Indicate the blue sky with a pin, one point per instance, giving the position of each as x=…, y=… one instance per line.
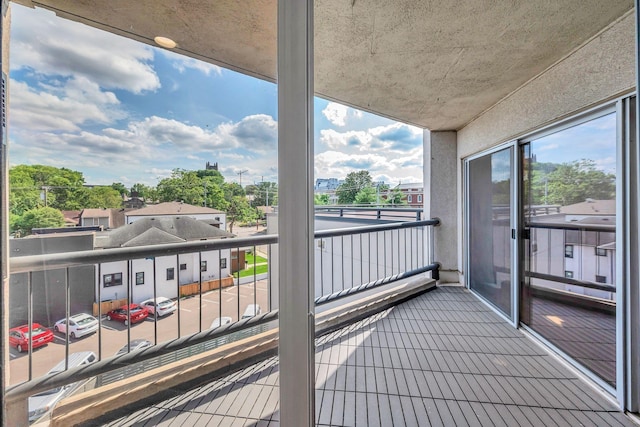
x=121, y=111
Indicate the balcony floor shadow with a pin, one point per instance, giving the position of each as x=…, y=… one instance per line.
x=443, y=358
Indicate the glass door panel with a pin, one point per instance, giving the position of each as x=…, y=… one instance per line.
x=490, y=212
x=568, y=293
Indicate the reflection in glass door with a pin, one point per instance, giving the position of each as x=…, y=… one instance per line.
x=568, y=293
x=489, y=222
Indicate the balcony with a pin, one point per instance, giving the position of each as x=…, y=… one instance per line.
x=387, y=353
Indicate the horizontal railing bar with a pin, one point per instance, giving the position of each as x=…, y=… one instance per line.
x=338, y=208
x=325, y=299
x=374, y=228
x=574, y=226
x=47, y=382
x=67, y=259
x=568, y=281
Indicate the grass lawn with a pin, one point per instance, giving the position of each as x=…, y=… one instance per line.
x=249, y=258
x=250, y=271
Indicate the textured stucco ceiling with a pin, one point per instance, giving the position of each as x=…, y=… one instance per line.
x=437, y=64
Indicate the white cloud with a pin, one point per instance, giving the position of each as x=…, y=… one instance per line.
x=338, y=113
x=53, y=46
x=67, y=106
x=396, y=137
x=182, y=63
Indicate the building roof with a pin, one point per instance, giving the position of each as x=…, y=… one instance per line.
x=172, y=208
x=436, y=64
x=409, y=186
x=160, y=230
x=71, y=217
x=95, y=213
x=591, y=207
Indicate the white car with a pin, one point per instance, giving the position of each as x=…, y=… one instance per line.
x=164, y=305
x=42, y=403
x=251, y=310
x=219, y=321
x=79, y=325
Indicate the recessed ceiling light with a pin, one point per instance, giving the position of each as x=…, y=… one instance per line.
x=165, y=42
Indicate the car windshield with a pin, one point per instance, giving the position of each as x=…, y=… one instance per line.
x=85, y=321
x=165, y=303
x=135, y=310
x=35, y=332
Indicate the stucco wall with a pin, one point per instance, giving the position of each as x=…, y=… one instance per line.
x=601, y=69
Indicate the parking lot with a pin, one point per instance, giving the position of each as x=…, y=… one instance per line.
x=195, y=313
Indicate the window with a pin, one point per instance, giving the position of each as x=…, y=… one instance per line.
x=419, y=198
x=114, y=279
x=409, y=198
x=601, y=252
x=140, y=278
x=203, y=265
x=183, y=266
x=568, y=274
x=601, y=279
x=568, y=251
x=170, y=273
x=223, y=263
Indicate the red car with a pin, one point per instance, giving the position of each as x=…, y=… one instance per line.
x=136, y=313
x=19, y=337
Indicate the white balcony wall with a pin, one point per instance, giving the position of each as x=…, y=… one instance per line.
x=164, y=287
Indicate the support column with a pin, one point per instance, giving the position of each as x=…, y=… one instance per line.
x=295, y=212
x=440, y=198
x=4, y=214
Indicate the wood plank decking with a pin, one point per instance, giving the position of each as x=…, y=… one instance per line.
x=441, y=359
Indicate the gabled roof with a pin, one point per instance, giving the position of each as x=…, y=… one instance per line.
x=172, y=208
x=152, y=236
x=160, y=230
x=95, y=213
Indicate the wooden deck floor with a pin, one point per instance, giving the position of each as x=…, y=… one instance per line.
x=441, y=359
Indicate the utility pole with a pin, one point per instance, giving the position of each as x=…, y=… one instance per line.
x=240, y=173
x=205, y=193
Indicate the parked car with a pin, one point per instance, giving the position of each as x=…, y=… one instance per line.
x=41, y=403
x=135, y=313
x=19, y=337
x=79, y=325
x=219, y=321
x=134, y=345
x=164, y=305
x=251, y=310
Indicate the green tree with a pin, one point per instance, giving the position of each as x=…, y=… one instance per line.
x=102, y=197
x=396, y=198
x=239, y=210
x=233, y=189
x=320, y=199
x=24, y=194
x=265, y=194
x=573, y=182
x=366, y=196
x=150, y=194
x=62, y=188
x=120, y=188
x=183, y=185
x=353, y=183
x=45, y=217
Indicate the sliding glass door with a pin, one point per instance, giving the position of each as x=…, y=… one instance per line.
x=568, y=293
